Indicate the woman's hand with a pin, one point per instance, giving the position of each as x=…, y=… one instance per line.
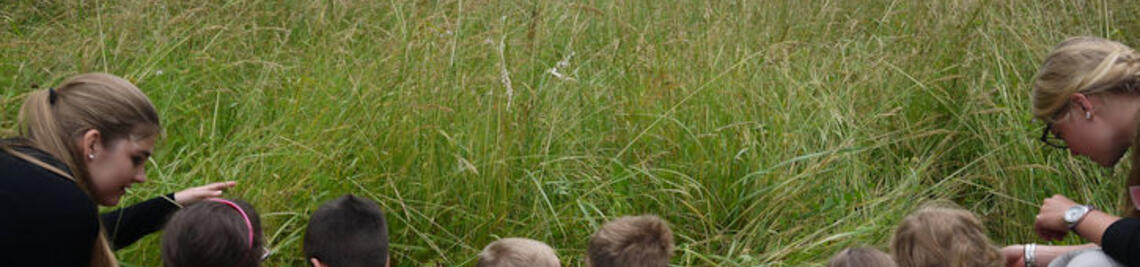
x=195, y=194
x=1014, y=255
x=1050, y=224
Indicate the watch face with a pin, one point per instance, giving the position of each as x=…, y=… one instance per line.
x=1071, y=215
x=1074, y=214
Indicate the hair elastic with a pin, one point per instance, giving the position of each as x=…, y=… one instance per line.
x=248, y=224
x=51, y=96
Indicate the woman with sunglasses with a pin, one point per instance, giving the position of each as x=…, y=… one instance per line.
x=1088, y=94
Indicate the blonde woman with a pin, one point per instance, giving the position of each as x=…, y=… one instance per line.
x=1088, y=94
x=81, y=144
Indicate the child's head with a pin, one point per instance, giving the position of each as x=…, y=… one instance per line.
x=215, y=232
x=632, y=241
x=860, y=257
x=943, y=235
x=518, y=252
x=347, y=231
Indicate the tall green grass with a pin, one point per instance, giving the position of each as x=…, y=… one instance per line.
x=769, y=133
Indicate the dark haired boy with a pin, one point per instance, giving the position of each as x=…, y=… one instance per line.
x=347, y=232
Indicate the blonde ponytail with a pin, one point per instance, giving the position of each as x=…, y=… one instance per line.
x=38, y=123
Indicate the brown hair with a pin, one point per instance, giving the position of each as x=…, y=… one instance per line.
x=1088, y=65
x=518, y=252
x=211, y=233
x=940, y=234
x=51, y=120
x=348, y=231
x=861, y=257
x=632, y=241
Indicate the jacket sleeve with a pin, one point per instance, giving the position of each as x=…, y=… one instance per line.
x=127, y=225
x=1121, y=241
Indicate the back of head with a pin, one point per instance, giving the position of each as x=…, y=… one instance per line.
x=861, y=257
x=346, y=232
x=213, y=233
x=1087, y=65
x=632, y=241
x=518, y=252
x=943, y=235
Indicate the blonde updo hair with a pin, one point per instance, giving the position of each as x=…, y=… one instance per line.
x=1087, y=65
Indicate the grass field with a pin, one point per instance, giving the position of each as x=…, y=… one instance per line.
x=769, y=133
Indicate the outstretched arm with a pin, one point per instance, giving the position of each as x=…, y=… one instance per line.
x=127, y=225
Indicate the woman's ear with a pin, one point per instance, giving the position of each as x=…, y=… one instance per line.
x=1082, y=101
x=90, y=143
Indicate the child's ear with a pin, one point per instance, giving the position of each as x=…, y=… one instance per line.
x=316, y=263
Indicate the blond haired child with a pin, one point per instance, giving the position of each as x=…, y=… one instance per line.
x=518, y=252
x=639, y=241
x=940, y=234
x=861, y=257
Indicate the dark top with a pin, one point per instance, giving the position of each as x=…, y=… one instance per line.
x=46, y=220
x=1121, y=241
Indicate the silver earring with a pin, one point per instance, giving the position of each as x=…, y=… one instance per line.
x=1088, y=115
x=91, y=156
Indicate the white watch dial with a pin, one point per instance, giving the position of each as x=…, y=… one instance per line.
x=1074, y=214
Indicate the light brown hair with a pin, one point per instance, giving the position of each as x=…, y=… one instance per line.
x=51, y=120
x=632, y=241
x=942, y=235
x=861, y=257
x=1088, y=65
x=518, y=252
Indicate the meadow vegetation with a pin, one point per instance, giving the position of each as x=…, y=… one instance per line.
x=769, y=133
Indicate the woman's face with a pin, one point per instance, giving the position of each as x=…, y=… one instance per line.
x=115, y=166
x=1090, y=135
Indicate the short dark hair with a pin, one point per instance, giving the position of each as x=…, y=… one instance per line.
x=346, y=232
x=211, y=233
x=632, y=241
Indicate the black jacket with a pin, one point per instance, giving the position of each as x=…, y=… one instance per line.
x=1121, y=241
x=46, y=220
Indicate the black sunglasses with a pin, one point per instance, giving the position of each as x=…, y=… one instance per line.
x=1051, y=139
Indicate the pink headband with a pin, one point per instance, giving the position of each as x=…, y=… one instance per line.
x=248, y=224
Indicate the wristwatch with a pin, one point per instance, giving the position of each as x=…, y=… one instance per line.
x=1075, y=214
